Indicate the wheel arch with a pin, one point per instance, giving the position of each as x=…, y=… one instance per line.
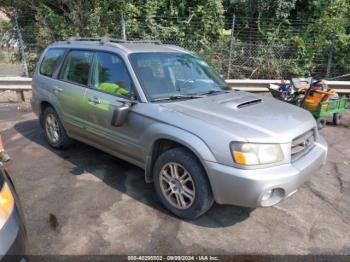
x=43, y=105
x=49, y=103
x=180, y=138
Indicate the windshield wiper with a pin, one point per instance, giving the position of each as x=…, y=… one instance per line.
x=176, y=97
x=213, y=91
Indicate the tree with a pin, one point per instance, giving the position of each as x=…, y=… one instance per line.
x=273, y=37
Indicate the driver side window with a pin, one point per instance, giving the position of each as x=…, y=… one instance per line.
x=110, y=75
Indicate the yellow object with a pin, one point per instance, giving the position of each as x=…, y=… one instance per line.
x=239, y=158
x=312, y=101
x=6, y=204
x=113, y=89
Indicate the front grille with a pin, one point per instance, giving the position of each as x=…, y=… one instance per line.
x=302, y=144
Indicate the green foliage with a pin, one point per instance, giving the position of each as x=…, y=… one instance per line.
x=328, y=33
x=194, y=24
x=278, y=49
x=261, y=8
x=308, y=30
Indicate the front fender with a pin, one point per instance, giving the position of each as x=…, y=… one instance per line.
x=181, y=136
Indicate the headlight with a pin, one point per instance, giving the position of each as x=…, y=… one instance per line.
x=249, y=154
x=6, y=204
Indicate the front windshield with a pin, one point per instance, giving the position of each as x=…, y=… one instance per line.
x=164, y=75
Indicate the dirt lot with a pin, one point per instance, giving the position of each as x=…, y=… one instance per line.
x=103, y=206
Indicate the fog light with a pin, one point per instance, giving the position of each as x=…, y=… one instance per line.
x=267, y=195
x=272, y=197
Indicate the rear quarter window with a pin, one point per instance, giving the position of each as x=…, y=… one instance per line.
x=50, y=61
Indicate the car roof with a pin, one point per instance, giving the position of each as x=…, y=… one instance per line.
x=137, y=48
x=128, y=47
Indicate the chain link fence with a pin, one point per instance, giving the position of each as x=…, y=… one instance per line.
x=245, y=47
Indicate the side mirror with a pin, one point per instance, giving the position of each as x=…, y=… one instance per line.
x=120, y=114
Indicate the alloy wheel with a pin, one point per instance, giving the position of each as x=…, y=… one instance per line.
x=52, y=129
x=177, y=185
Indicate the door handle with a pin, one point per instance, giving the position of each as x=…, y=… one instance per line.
x=94, y=100
x=57, y=89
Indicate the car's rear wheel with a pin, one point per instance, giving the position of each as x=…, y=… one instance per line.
x=182, y=184
x=54, y=131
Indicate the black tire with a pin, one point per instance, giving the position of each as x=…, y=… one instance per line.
x=337, y=119
x=321, y=122
x=63, y=141
x=203, y=199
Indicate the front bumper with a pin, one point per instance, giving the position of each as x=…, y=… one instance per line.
x=247, y=187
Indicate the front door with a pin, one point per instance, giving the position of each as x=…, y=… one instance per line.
x=110, y=88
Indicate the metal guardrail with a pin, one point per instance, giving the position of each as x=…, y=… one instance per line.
x=18, y=84
x=261, y=85
x=21, y=84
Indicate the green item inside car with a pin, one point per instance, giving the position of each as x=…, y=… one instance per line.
x=113, y=89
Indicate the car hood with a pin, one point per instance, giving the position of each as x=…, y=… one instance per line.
x=251, y=117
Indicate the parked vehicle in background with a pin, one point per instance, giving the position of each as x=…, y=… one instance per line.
x=165, y=110
x=12, y=228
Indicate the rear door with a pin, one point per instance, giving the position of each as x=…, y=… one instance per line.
x=71, y=86
x=111, y=87
x=44, y=79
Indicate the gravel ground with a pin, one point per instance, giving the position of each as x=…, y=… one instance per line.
x=83, y=201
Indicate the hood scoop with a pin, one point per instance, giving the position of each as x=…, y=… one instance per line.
x=240, y=102
x=249, y=103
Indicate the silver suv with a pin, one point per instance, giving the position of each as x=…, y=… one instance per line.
x=165, y=110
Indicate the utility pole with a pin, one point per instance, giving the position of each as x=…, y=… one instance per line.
x=231, y=45
x=122, y=25
x=21, y=44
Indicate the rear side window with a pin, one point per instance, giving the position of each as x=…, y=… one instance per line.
x=50, y=61
x=77, y=66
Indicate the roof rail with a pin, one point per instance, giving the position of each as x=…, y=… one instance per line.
x=106, y=39
x=177, y=48
x=156, y=42
x=76, y=38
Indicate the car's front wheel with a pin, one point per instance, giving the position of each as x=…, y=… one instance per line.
x=55, y=133
x=182, y=184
